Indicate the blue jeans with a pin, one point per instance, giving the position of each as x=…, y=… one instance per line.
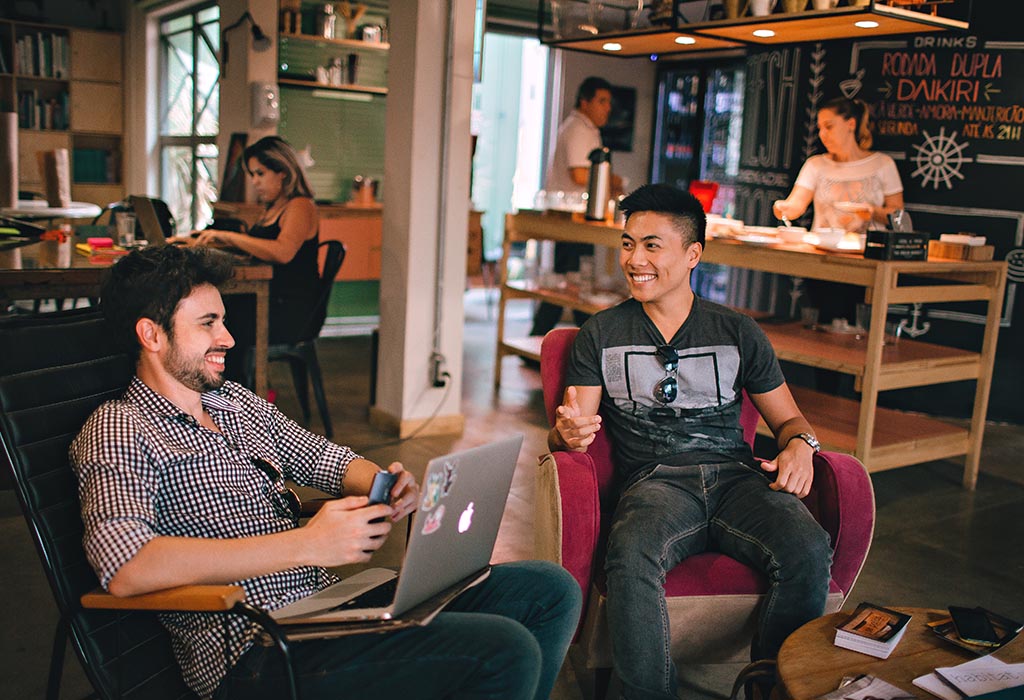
x=504, y=638
x=675, y=512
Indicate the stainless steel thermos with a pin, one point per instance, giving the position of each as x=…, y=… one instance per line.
x=599, y=185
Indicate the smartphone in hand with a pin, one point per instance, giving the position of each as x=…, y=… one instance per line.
x=972, y=625
x=380, y=489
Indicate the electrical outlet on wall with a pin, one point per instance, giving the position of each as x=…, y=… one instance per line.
x=266, y=104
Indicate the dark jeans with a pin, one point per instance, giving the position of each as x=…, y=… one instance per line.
x=676, y=512
x=504, y=638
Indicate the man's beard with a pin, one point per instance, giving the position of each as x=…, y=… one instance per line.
x=195, y=377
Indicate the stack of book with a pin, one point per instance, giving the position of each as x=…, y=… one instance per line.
x=872, y=630
x=100, y=250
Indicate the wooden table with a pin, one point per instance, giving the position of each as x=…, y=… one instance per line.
x=810, y=664
x=24, y=276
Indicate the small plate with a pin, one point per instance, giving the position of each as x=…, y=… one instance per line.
x=852, y=207
x=837, y=249
x=772, y=231
x=755, y=239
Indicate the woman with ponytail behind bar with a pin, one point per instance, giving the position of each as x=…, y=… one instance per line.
x=865, y=184
x=848, y=172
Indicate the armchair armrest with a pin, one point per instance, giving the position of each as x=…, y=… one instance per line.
x=180, y=598
x=569, y=510
x=844, y=503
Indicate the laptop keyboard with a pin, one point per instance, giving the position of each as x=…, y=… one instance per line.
x=379, y=597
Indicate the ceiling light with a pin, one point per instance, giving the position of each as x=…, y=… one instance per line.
x=685, y=40
x=612, y=46
x=866, y=24
x=764, y=33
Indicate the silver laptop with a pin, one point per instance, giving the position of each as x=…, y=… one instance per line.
x=148, y=220
x=462, y=500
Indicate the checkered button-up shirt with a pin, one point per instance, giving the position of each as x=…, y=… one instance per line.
x=147, y=469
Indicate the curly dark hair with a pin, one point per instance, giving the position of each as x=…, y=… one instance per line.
x=682, y=208
x=151, y=282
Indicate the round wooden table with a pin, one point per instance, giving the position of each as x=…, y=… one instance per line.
x=810, y=664
x=40, y=209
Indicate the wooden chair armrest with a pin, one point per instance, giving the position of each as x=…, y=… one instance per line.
x=180, y=598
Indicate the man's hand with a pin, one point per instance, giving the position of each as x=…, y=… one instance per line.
x=405, y=494
x=343, y=531
x=575, y=430
x=795, y=467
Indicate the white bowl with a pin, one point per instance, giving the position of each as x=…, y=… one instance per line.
x=792, y=234
x=829, y=237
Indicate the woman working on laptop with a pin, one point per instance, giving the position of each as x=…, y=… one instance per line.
x=285, y=235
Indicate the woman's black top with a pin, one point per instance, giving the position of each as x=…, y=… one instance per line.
x=293, y=288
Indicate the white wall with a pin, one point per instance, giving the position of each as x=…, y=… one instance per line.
x=570, y=68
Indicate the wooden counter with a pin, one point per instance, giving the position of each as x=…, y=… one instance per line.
x=880, y=438
x=359, y=228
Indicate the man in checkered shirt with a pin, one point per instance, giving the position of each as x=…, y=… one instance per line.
x=182, y=481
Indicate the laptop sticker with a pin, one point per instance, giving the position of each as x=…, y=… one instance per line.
x=432, y=491
x=449, y=477
x=433, y=521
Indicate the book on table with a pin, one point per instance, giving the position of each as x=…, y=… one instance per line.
x=872, y=629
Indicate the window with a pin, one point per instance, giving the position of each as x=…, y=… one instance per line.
x=189, y=113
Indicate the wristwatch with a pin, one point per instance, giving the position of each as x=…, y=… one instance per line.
x=809, y=439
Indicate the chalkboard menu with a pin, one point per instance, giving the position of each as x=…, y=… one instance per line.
x=949, y=109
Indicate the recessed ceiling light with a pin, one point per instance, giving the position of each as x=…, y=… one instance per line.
x=685, y=40
x=612, y=46
x=866, y=24
x=764, y=33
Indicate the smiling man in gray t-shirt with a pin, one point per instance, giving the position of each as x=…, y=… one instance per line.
x=667, y=371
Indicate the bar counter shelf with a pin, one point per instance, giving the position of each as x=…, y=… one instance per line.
x=881, y=438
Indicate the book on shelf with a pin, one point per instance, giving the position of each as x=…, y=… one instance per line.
x=872, y=629
x=1004, y=627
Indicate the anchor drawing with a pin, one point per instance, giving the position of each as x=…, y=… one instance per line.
x=913, y=329
x=794, y=294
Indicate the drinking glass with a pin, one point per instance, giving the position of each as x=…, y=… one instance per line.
x=125, y=228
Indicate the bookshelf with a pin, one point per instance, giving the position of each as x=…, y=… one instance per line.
x=66, y=85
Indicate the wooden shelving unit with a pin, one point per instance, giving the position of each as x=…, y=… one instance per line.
x=83, y=77
x=312, y=85
x=346, y=43
x=881, y=438
x=611, y=22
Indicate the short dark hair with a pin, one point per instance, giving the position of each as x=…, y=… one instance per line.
x=151, y=282
x=681, y=207
x=589, y=87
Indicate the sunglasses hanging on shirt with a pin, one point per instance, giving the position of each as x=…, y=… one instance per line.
x=276, y=476
x=667, y=388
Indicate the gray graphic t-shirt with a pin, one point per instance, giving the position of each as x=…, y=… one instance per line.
x=721, y=352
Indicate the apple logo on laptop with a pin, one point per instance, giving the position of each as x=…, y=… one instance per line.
x=466, y=519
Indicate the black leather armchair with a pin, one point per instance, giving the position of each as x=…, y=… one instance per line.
x=55, y=370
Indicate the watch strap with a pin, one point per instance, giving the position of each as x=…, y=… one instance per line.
x=809, y=439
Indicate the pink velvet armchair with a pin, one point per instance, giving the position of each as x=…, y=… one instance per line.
x=712, y=599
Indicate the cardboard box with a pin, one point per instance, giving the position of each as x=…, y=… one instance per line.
x=896, y=245
x=960, y=251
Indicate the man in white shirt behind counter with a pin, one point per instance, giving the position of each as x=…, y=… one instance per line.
x=568, y=172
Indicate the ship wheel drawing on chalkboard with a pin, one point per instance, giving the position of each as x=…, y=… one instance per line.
x=939, y=159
